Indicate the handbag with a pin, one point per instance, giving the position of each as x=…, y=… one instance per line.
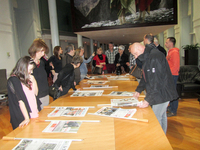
x=97, y=70
x=136, y=72
x=54, y=92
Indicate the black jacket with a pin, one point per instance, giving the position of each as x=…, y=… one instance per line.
x=157, y=78
x=124, y=60
x=160, y=48
x=66, y=79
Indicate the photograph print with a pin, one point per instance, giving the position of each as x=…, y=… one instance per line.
x=91, y=15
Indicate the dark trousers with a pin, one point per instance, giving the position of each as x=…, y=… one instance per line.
x=174, y=104
x=110, y=68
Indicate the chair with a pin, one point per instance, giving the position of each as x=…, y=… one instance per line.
x=3, y=86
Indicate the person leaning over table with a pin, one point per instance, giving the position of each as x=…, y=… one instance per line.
x=83, y=67
x=100, y=60
x=65, y=80
x=156, y=79
x=22, y=91
x=36, y=51
x=121, y=59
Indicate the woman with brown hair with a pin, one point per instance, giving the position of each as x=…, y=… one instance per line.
x=22, y=91
x=36, y=51
x=56, y=61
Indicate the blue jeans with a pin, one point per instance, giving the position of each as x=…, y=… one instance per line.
x=174, y=104
x=160, y=112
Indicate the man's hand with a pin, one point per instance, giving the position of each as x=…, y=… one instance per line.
x=143, y=104
x=136, y=94
x=60, y=88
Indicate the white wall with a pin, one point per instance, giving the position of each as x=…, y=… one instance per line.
x=187, y=31
x=7, y=42
x=196, y=23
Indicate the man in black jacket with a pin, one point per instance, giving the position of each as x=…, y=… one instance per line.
x=65, y=80
x=157, y=80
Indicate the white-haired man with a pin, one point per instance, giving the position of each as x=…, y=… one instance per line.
x=156, y=79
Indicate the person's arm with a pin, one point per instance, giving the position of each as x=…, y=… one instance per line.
x=25, y=114
x=142, y=85
x=94, y=63
x=89, y=59
x=175, y=59
x=106, y=60
x=116, y=60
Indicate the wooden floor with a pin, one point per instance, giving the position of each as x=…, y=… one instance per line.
x=183, y=130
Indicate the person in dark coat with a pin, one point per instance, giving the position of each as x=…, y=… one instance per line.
x=121, y=59
x=160, y=48
x=156, y=79
x=65, y=80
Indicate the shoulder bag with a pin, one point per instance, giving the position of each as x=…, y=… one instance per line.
x=97, y=70
x=54, y=91
x=136, y=72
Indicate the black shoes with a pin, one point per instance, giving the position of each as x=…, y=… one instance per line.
x=170, y=114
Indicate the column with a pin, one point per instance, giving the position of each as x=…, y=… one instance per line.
x=80, y=40
x=91, y=46
x=53, y=23
x=98, y=44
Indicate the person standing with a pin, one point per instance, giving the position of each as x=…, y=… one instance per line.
x=83, y=67
x=160, y=48
x=156, y=79
x=65, y=78
x=22, y=91
x=36, y=51
x=121, y=59
x=99, y=61
x=173, y=59
x=132, y=61
x=69, y=50
x=110, y=54
x=56, y=62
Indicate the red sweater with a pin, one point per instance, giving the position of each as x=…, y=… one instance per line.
x=173, y=59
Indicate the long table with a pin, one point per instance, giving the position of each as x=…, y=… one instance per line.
x=108, y=134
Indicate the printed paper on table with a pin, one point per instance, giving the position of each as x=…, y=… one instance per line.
x=69, y=112
x=65, y=126
x=43, y=144
x=87, y=93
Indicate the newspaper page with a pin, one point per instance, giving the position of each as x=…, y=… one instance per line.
x=69, y=112
x=126, y=78
x=115, y=112
x=124, y=102
x=121, y=93
x=43, y=144
x=97, y=82
x=87, y=93
x=100, y=77
x=64, y=126
x=99, y=87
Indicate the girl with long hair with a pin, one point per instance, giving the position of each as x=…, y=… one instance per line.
x=22, y=92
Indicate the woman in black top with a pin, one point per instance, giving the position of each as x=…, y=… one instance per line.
x=121, y=59
x=56, y=61
x=36, y=51
x=65, y=80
